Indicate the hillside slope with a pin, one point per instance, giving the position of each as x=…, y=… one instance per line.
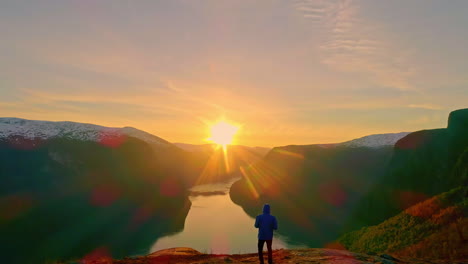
x=436, y=228
x=424, y=163
x=311, y=189
x=61, y=198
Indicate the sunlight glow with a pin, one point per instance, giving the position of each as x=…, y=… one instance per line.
x=222, y=133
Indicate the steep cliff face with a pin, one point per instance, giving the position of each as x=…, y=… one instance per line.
x=458, y=143
x=458, y=129
x=62, y=198
x=424, y=163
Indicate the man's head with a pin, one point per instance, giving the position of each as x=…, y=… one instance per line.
x=266, y=208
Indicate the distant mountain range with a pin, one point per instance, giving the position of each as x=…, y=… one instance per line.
x=210, y=148
x=33, y=129
x=26, y=134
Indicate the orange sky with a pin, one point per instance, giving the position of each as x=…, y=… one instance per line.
x=288, y=72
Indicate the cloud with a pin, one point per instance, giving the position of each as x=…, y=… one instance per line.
x=314, y=10
x=352, y=44
x=426, y=106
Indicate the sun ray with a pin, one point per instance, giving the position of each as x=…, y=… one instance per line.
x=226, y=160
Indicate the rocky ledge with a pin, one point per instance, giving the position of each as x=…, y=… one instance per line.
x=313, y=255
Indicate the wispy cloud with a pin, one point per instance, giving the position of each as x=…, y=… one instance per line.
x=352, y=44
x=317, y=11
x=426, y=106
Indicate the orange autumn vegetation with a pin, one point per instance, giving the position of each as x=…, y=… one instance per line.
x=436, y=228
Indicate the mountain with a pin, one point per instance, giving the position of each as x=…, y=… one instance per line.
x=203, y=148
x=375, y=141
x=26, y=134
x=202, y=163
x=33, y=129
x=69, y=189
x=313, y=188
x=322, y=191
x=424, y=163
x=435, y=228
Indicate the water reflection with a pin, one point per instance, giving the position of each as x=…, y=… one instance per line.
x=216, y=225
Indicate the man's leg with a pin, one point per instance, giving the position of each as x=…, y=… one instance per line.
x=270, y=251
x=260, y=250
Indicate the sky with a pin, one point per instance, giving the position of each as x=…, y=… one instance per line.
x=286, y=72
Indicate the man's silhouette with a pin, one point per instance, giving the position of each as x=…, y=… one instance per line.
x=265, y=223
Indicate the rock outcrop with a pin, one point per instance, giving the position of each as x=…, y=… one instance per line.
x=281, y=256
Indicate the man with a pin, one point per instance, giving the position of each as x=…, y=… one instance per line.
x=265, y=223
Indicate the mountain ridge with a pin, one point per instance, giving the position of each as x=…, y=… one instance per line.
x=30, y=129
x=375, y=140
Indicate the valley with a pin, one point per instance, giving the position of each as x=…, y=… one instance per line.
x=71, y=189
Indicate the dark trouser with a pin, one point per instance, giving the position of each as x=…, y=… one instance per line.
x=260, y=250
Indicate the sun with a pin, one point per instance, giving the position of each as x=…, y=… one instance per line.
x=222, y=133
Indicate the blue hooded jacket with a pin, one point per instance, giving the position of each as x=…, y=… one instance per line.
x=266, y=223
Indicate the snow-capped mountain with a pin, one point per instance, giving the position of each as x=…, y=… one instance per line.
x=374, y=141
x=89, y=132
x=32, y=129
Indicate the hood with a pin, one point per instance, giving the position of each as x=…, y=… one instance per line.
x=266, y=209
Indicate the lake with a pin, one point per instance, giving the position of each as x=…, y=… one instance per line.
x=216, y=225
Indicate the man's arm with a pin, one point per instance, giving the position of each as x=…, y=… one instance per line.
x=257, y=222
x=275, y=224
